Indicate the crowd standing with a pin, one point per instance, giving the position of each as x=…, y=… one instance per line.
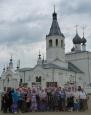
x=48, y=99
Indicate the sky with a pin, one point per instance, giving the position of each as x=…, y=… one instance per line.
x=24, y=25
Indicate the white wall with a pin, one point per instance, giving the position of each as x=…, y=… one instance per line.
x=77, y=47
x=83, y=63
x=50, y=75
x=61, y=64
x=55, y=51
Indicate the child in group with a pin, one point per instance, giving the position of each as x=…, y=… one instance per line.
x=76, y=105
x=76, y=101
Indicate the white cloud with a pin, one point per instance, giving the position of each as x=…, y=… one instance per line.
x=25, y=23
x=28, y=54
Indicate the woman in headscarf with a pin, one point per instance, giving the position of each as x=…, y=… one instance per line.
x=33, y=101
x=15, y=98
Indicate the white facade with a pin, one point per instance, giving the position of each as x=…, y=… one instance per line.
x=83, y=61
x=49, y=75
x=9, y=77
x=58, y=67
x=77, y=47
x=83, y=47
x=55, y=48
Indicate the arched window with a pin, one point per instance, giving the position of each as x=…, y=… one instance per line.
x=56, y=42
x=62, y=44
x=50, y=43
x=8, y=80
x=38, y=79
x=20, y=80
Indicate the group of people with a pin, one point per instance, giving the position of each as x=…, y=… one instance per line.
x=48, y=99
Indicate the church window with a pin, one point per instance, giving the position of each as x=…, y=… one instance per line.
x=20, y=80
x=56, y=42
x=61, y=43
x=38, y=79
x=8, y=80
x=50, y=43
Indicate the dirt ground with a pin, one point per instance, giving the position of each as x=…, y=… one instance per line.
x=88, y=112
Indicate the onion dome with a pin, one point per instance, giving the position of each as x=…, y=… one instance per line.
x=11, y=61
x=4, y=69
x=39, y=55
x=73, y=49
x=7, y=67
x=84, y=40
x=77, y=39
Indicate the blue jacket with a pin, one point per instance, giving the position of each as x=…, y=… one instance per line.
x=15, y=96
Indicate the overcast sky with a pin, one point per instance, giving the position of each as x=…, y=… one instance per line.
x=24, y=25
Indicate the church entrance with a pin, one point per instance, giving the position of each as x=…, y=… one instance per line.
x=51, y=84
x=36, y=84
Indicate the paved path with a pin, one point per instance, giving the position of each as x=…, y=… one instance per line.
x=51, y=113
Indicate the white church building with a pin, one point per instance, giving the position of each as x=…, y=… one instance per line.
x=59, y=68
x=9, y=77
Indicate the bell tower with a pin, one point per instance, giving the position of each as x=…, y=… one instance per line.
x=55, y=42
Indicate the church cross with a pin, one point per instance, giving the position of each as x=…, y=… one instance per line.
x=84, y=27
x=76, y=29
x=54, y=8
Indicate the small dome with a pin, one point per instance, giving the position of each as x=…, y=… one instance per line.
x=11, y=59
x=54, y=16
x=73, y=49
x=77, y=39
x=84, y=40
x=4, y=69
